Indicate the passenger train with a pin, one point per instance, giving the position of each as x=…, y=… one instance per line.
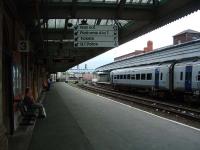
x=181, y=77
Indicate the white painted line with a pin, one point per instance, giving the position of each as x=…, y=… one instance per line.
x=138, y=109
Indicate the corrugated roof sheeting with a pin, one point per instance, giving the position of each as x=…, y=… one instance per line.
x=170, y=53
x=60, y=23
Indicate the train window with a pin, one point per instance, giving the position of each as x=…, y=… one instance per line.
x=121, y=76
x=161, y=76
x=128, y=76
x=198, y=77
x=149, y=76
x=124, y=76
x=133, y=77
x=117, y=76
x=143, y=76
x=137, y=76
x=181, y=75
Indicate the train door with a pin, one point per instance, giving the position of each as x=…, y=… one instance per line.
x=188, y=78
x=157, y=78
x=111, y=77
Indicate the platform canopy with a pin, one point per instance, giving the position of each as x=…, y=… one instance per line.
x=51, y=24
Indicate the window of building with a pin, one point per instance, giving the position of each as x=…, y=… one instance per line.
x=133, y=77
x=161, y=76
x=181, y=75
x=198, y=77
x=128, y=76
x=137, y=76
x=143, y=76
x=17, y=80
x=149, y=76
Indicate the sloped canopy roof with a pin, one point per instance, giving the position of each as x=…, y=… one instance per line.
x=50, y=23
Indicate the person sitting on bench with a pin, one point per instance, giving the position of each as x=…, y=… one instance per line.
x=32, y=105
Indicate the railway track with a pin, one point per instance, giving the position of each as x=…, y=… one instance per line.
x=189, y=113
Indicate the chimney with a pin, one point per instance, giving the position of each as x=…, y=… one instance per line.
x=149, y=47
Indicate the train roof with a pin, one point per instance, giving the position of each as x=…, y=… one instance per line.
x=194, y=62
x=141, y=68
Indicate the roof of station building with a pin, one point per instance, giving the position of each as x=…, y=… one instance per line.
x=54, y=23
x=187, y=31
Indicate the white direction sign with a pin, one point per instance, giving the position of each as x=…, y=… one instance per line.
x=96, y=44
x=96, y=33
x=95, y=36
x=96, y=27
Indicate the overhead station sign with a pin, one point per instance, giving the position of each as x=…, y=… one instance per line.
x=95, y=36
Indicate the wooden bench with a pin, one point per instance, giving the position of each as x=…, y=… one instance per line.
x=28, y=116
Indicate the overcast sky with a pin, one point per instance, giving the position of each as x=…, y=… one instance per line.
x=161, y=37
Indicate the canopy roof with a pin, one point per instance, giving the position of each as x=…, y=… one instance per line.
x=51, y=23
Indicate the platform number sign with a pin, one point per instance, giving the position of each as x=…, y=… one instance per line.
x=23, y=46
x=95, y=36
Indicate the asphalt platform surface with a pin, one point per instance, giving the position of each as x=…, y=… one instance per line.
x=79, y=120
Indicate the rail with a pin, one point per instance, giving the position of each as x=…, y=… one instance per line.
x=183, y=111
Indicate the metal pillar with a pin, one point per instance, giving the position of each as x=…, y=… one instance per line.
x=3, y=137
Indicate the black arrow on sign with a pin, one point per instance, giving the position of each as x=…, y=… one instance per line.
x=76, y=44
x=76, y=38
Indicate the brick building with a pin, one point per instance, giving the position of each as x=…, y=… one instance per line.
x=136, y=52
x=186, y=36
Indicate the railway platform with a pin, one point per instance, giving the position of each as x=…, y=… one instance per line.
x=80, y=120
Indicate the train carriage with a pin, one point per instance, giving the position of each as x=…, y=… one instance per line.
x=182, y=77
x=187, y=77
x=151, y=77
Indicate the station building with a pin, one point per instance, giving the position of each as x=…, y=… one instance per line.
x=136, y=52
x=37, y=39
x=186, y=36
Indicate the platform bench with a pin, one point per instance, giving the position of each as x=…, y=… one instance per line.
x=28, y=116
